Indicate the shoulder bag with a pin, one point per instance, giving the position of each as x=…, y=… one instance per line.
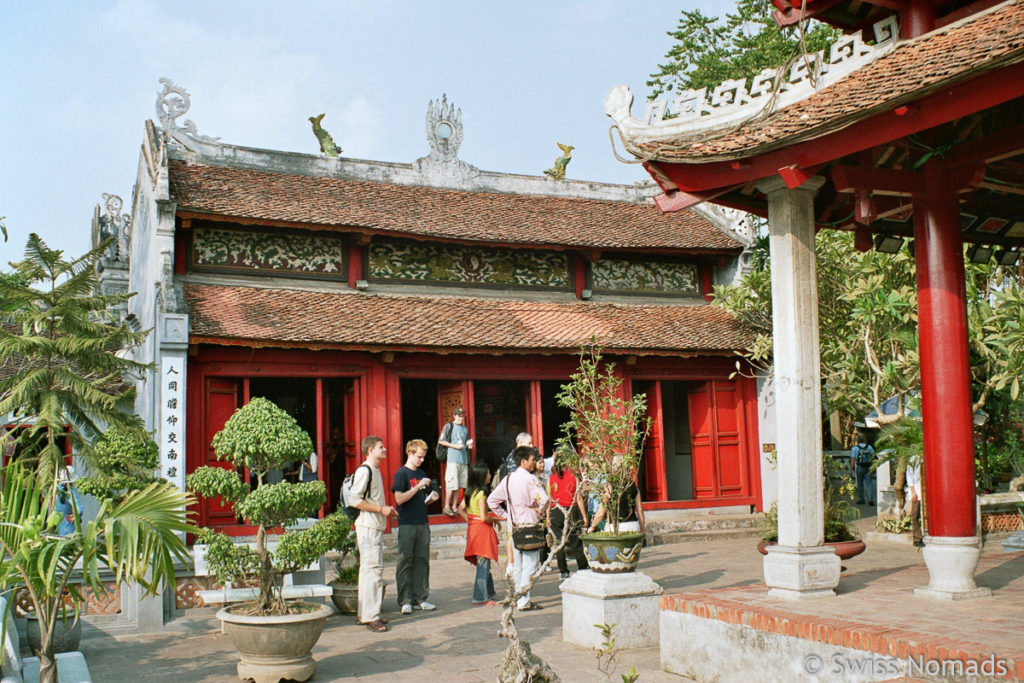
x=526, y=536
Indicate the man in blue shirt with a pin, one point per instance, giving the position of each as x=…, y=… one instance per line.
x=457, y=472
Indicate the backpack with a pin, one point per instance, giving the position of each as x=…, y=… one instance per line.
x=346, y=493
x=864, y=455
x=446, y=435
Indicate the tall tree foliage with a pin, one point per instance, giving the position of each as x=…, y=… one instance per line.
x=67, y=355
x=709, y=50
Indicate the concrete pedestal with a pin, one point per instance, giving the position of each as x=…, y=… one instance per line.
x=951, y=562
x=797, y=573
x=630, y=601
x=1015, y=543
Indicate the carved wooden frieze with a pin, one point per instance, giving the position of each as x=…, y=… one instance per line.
x=271, y=253
x=654, y=277
x=467, y=265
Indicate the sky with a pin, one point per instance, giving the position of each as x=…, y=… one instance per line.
x=79, y=79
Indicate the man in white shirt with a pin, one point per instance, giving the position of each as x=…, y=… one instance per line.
x=368, y=496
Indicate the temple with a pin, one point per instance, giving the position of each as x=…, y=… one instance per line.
x=371, y=297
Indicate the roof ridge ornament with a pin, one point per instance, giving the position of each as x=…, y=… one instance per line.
x=172, y=103
x=116, y=224
x=732, y=103
x=444, y=135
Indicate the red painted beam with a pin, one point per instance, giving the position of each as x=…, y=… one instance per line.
x=946, y=105
x=848, y=178
x=677, y=200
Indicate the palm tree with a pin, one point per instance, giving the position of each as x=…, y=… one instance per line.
x=902, y=444
x=138, y=539
x=66, y=355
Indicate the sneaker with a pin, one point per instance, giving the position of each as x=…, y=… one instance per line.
x=406, y=608
x=563, y=576
x=426, y=606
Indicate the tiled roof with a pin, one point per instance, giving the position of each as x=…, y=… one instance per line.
x=319, y=319
x=911, y=70
x=437, y=213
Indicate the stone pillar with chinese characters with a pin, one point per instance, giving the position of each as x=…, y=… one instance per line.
x=171, y=402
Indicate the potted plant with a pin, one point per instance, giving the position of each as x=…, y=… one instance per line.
x=839, y=515
x=603, y=442
x=346, y=576
x=136, y=538
x=274, y=637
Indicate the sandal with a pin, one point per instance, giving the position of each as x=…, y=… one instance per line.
x=530, y=607
x=377, y=626
x=484, y=604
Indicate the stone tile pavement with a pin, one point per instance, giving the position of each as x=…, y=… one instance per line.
x=458, y=642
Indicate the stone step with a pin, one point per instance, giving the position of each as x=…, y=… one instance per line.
x=663, y=526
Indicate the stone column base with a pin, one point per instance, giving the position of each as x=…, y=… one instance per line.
x=798, y=573
x=951, y=562
x=630, y=601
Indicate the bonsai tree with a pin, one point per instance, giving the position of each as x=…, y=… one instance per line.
x=839, y=514
x=261, y=437
x=604, y=437
x=138, y=538
x=122, y=461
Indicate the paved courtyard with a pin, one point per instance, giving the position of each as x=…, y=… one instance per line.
x=459, y=642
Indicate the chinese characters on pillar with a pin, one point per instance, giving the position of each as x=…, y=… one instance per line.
x=172, y=420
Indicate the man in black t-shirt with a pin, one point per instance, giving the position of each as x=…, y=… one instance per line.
x=412, y=493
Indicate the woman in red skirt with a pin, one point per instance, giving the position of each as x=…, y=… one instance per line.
x=481, y=539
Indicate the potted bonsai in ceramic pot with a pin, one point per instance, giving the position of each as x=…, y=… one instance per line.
x=839, y=514
x=275, y=637
x=346, y=576
x=603, y=442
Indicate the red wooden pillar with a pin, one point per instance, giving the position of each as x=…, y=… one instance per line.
x=948, y=468
x=534, y=415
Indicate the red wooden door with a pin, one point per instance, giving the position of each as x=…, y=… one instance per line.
x=452, y=395
x=222, y=399
x=655, y=482
x=719, y=468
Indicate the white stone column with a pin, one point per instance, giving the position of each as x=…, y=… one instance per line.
x=799, y=566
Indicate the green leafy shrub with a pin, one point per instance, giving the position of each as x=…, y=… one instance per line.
x=123, y=460
x=604, y=437
x=263, y=437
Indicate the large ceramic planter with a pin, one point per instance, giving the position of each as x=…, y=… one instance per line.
x=67, y=633
x=844, y=549
x=613, y=554
x=275, y=648
x=346, y=596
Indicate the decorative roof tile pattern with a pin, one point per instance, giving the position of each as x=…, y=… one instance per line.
x=912, y=69
x=268, y=317
x=438, y=213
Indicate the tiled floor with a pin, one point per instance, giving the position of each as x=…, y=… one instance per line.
x=458, y=642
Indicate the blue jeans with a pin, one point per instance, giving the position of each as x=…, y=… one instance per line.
x=865, y=484
x=483, y=586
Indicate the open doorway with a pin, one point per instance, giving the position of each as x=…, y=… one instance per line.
x=297, y=397
x=499, y=408
x=419, y=421
x=554, y=415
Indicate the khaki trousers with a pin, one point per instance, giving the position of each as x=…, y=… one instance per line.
x=371, y=572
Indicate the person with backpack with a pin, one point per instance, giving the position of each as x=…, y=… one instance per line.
x=367, y=496
x=863, y=455
x=455, y=437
